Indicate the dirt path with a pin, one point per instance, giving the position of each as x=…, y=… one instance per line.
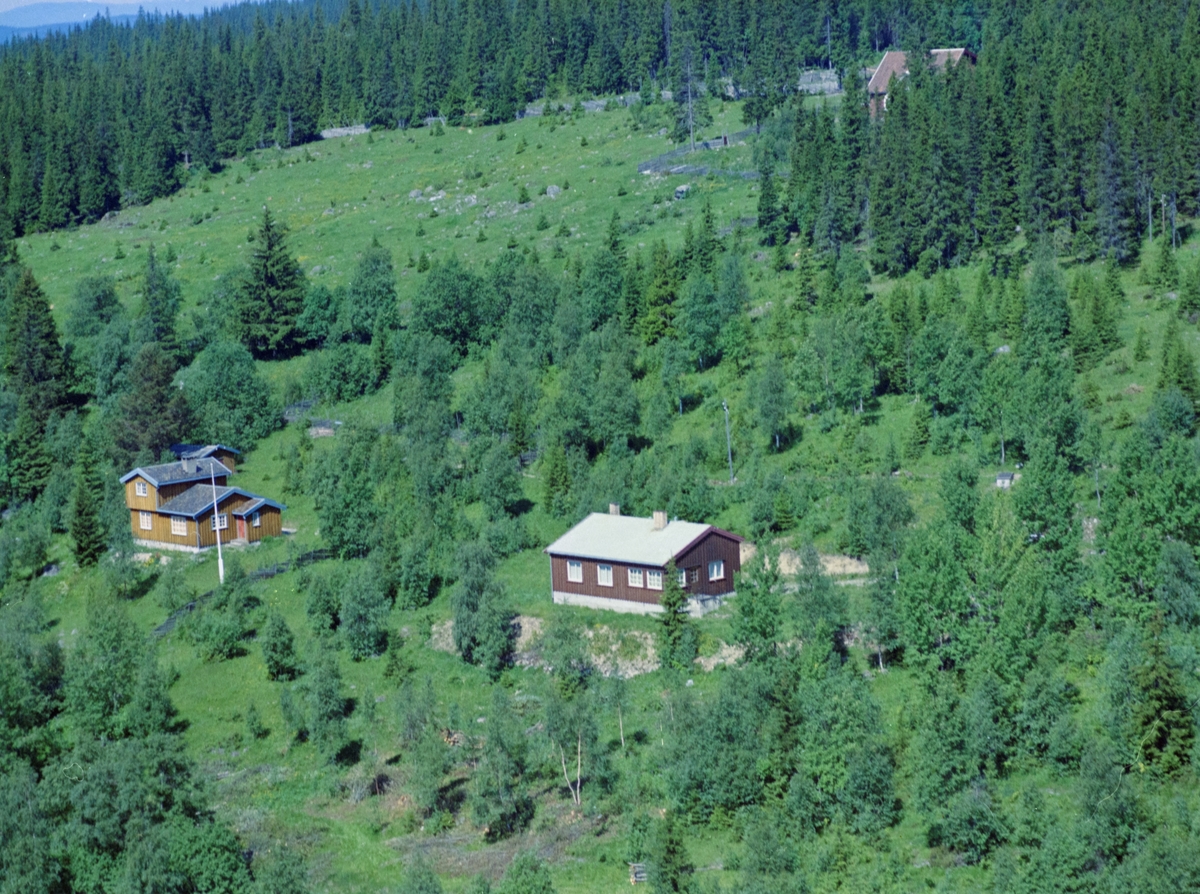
x=833, y=564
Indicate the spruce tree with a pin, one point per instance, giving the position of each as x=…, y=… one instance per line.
x=670, y=866
x=757, y=616
x=768, y=202
x=33, y=357
x=326, y=715
x=673, y=638
x=28, y=458
x=153, y=413
x=1141, y=344
x=271, y=294
x=1164, y=276
x=1014, y=308
x=161, y=297
x=707, y=245
x=613, y=240
x=1189, y=291
x=658, y=311
x=278, y=648
x=556, y=479
x=87, y=531
x=918, y=431
x=1103, y=313
x=1047, y=317
x=1162, y=720
x=1177, y=368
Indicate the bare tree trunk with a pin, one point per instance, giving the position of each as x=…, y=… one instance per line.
x=578, y=768
x=570, y=787
x=621, y=726
x=1150, y=213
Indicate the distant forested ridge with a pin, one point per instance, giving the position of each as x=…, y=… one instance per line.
x=1078, y=120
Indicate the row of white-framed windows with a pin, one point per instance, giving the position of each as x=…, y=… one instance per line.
x=145, y=520
x=139, y=488
x=178, y=526
x=220, y=522
x=650, y=578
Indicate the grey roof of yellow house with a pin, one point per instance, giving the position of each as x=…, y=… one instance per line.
x=175, y=473
x=198, y=499
x=631, y=539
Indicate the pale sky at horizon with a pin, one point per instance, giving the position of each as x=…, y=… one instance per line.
x=9, y=5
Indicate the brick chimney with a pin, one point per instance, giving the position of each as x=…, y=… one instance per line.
x=614, y=508
x=660, y=520
x=189, y=465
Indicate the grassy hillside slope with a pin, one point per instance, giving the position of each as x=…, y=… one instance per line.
x=355, y=821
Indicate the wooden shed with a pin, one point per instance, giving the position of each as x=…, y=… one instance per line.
x=227, y=456
x=619, y=562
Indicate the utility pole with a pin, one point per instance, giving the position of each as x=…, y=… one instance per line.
x=728, y=441
x=217, y=524
x=690, y=111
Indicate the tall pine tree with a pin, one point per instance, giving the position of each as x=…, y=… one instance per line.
x=271, y=294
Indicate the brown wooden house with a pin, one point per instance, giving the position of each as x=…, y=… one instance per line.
x=188, y=504
x=895, y=65
x=619, y=562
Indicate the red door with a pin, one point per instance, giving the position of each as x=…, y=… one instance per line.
x=241, y=528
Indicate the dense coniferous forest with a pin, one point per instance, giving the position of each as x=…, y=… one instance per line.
x=1077, y=121
x=832, y=336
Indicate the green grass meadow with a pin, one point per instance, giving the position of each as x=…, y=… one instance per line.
x=336, y=196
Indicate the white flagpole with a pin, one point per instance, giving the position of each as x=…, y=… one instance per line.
x=217, y=524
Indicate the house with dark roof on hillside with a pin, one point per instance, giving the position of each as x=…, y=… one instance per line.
x=895, y=65
x=188, y=504
x=227, y=456
x=619, y=562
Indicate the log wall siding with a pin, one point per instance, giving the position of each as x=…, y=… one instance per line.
x=272, y=525
x=155, y=496
x=712, y=547
x=589, y=587
x=208, y=537
x=160, y=529
x=228, y=460
x=133, y=501
x=160, y=526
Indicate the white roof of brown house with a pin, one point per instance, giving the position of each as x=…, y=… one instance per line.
x=895, y=62
x=631, y=539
